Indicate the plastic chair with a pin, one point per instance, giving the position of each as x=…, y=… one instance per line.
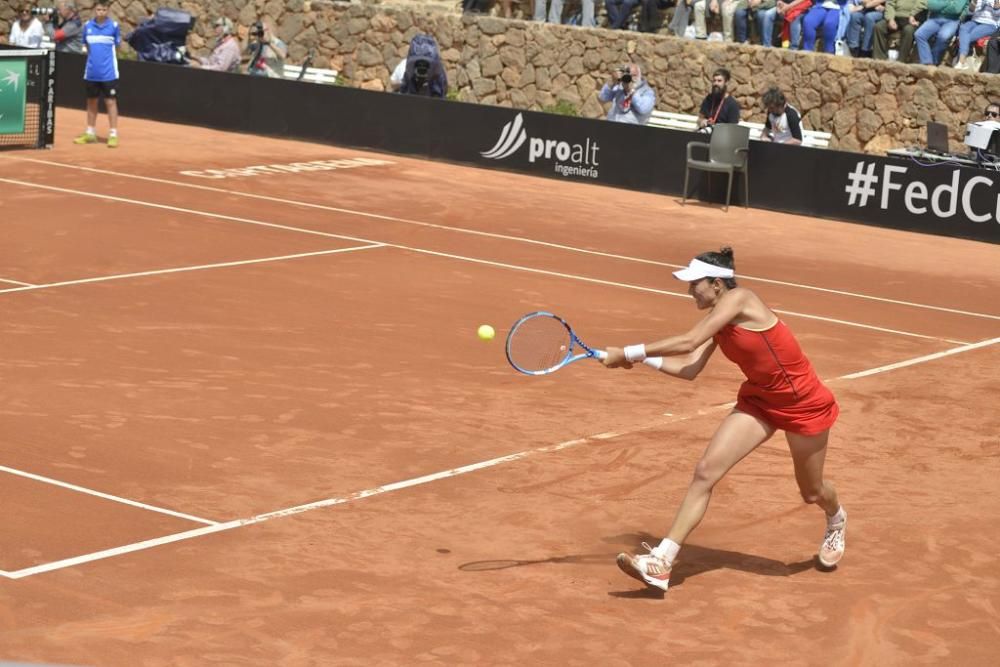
x=728, y=150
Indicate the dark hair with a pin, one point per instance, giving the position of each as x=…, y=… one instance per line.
x=773, y=97
x=724, y=73
x=723, y=258
x=991, y=104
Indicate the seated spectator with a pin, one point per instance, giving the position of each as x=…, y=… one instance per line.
x=424, y=73
x=632, y=99
x=901, y=17
x=940, y=26
x=556, y=8
x=724, y=8
x=26, y=30
x=482, y=6
x=824, y=15
x=983, y=21
x=718, y=106
x=267, y=51
x=992, y=63
x=764, y=12
x=66, y=28
x=864, y=14
x=650, y=19
x=618, y=12
x=784, y=123
x=225, y=56
x=791, y=29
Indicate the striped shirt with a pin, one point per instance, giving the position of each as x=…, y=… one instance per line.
x=101, y=40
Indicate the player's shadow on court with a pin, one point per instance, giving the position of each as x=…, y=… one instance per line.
x=695, y=560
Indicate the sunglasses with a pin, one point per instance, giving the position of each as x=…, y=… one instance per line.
x=993, y=114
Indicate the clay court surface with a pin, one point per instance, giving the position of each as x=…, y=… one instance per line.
x=242, y=421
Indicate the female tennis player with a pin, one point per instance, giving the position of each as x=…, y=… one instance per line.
x=781, y=392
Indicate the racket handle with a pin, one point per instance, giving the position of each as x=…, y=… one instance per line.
x=601, y=354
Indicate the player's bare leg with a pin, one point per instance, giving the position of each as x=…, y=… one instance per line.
x=738, y=435
x=809, y=455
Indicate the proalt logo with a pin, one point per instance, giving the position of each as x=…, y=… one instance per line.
x=511, y=138
x=570, y=159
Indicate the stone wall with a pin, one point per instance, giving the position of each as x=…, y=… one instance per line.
x=867, y=105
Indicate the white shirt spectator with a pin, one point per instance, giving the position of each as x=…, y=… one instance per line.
x=30, y=37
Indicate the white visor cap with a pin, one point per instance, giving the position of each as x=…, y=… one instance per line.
x=698, y=269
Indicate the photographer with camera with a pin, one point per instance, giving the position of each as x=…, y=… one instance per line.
x=632, y=99
x=64, y=27
x=718, y=106
x=26, y=30
x=267, y=52
x=423, y=72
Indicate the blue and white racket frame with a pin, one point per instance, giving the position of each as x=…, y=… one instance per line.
x=571, y=356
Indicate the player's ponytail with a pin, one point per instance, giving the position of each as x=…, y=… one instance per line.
x=723, y=258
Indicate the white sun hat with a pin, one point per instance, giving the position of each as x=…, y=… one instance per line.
x=698, y=269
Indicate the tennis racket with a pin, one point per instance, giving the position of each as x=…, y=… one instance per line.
x=541, y=343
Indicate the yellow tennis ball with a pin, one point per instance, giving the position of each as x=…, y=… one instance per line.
x=485, y=332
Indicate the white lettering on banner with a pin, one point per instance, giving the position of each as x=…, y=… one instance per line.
x=571, y=159
x=293, y=168
x=865, y=184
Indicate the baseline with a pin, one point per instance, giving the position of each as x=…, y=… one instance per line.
x=424, y=479
x=505, y=237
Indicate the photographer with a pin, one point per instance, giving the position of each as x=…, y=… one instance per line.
x=632, y=100
x=27, y=30
x=424, y=73
x=66, y=28
x=225, y=56
x=267, y=52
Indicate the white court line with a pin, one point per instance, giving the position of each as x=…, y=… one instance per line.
x=920, y=360
x=374, y=244
x=506, y=237
x=425, y=479
x=14, y=282
x=182, y=269
x=105, y=496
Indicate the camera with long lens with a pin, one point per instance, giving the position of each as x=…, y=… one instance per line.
x=625, y=74
x=47, y=12
x=257, y=30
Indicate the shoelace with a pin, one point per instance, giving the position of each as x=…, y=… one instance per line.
x=834, y=539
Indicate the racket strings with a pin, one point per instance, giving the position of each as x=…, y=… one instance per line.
x=539, y=343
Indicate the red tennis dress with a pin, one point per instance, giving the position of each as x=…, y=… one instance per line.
x=781, y=388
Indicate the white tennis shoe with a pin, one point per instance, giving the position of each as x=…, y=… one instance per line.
x=647, y=568
x=834, y=543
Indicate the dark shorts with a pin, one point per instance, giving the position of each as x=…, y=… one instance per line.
x=107, y=88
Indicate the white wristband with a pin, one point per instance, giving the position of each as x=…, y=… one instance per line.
x=634, y=353
x=654, y=362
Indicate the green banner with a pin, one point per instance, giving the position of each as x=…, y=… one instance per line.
x=13, y=80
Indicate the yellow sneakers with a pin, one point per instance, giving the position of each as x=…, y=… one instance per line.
x=86, y=138
x=113, y=142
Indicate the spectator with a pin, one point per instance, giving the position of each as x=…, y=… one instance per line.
x=267, y=52
x=784, y=123
x=992, y=63
x=725, y=8
x=650, y=19
x=900, y=16
x=983, y=20
x=943, y=17
x=992, y=112
x=791, y=29
x=556, y=7
x=481, y=6
x=632, y=99
x=824, y=15
x=619, y=12
x=864, y=14
x=718, y=106
x=424, y=73
x=225, y=56
x=26, y=30
x=66, y=28
x=764, y=11
x=100, y=74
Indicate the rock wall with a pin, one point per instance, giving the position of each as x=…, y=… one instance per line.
x=867, y=105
